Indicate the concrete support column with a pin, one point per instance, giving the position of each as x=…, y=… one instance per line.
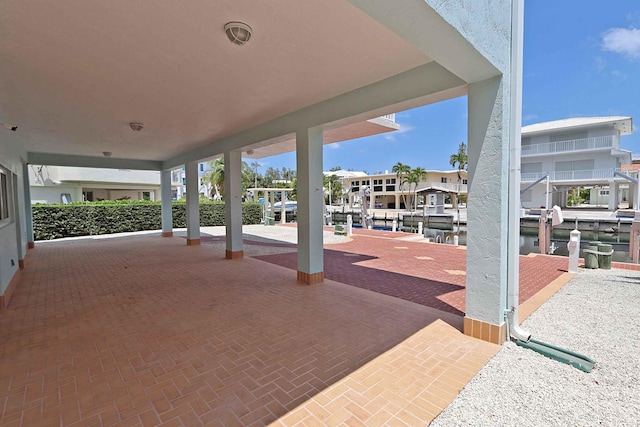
x=310, y=206
x=272, y=206
x=27, y=206
x=18, y=209
x=193, y=204
x=613, y=196
x=233, y=204
x=283, y=212
x=488, y=226
x=165, y=203
x=397, y=201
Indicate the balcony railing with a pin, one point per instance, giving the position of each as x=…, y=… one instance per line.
x=596, y=143
x=391, y=117
x=579, y=175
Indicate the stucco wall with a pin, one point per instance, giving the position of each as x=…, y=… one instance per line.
x=486, y=24
x=11, y=157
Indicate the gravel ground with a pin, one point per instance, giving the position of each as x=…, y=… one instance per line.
x=596, y=314
x=269, y=234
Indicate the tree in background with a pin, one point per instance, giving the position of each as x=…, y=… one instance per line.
x=460, y=158
x=413, y=178
x=401, y=170
x=215, y=177
x=333, y=186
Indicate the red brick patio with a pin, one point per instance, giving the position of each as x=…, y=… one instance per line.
x=143, y=331
x=429, y=274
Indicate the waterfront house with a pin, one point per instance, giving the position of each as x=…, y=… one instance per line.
x=573, y=153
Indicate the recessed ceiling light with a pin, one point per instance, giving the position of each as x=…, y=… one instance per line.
x=106, y=153
x=136, y=126
x=238, y=32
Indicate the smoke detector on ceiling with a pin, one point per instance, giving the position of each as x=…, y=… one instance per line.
x=238, y=32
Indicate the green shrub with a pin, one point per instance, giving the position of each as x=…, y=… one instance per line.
x=106, y=217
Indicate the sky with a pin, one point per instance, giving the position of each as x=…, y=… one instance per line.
x=581, y=59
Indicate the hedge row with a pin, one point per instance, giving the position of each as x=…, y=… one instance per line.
x=56, y=221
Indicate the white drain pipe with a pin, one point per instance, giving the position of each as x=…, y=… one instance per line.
x=515, y=124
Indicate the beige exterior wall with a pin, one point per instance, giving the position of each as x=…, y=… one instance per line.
x=388, y=193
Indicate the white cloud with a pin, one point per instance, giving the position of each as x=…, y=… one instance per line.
x=625, y=41
x=391, y=136
x=529, y=117
x=335, y=145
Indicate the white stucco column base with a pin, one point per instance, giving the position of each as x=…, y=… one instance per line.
x=193, y=204
x=233, y=204
x=487, y=214
x=165, y=203
x=310, y=206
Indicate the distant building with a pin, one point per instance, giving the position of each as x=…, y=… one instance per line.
x=60, y=184
x=389, y=192
x=576, y=152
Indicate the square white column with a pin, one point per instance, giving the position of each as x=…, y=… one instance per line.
x=165, y=203
x=28, y=212
x=233, y=204
x=310, y=205
x=193, y=203
x=489, y=249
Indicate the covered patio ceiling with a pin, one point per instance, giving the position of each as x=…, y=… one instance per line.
x=74, y=75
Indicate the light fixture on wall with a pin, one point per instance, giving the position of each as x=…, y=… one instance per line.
x=11, y=127
x=137, y=127
x=238, y=32
x=249, y=152
x=106, y=153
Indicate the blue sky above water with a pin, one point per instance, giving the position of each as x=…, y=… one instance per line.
x=581, y=59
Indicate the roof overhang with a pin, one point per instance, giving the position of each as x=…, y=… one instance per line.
x=78, y=74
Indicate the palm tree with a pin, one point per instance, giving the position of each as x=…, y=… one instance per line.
x=215, y=177
x=401, y=170
x=417, y=175
x=460, y=158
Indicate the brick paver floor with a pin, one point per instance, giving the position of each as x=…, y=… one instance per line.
x=425, y=273
x=144, y=331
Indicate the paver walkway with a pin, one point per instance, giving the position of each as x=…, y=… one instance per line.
x=143, y=331
x=426, y=273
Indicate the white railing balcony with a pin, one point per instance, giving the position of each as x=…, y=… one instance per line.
x=391, y=117
x=597, y=143
x=578, y=175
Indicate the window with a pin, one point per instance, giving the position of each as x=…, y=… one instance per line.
x=355, y=183
x=87, y=196
x=604, y=192
x=146, y=195
x=391, y=181
x=531, y=167
x=464, y=181
x=201, y=166
x=66, y=198
x=4, y=197
x=568, y=136
x=443, y=180
x=365, y=182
